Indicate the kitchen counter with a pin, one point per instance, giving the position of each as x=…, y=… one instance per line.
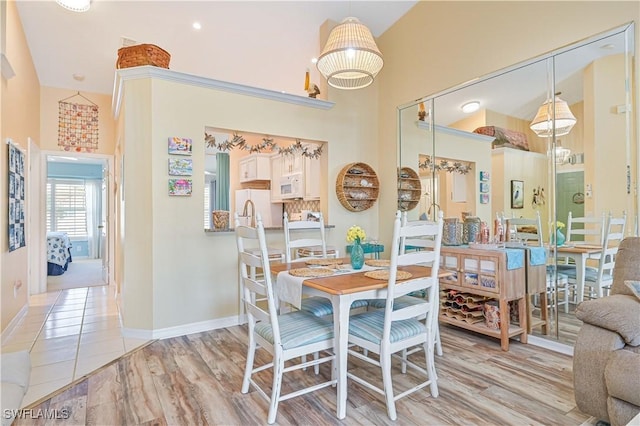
x=275, y=228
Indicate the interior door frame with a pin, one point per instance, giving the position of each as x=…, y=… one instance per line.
x=109, y=159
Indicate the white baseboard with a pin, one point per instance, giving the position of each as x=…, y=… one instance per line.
x=14, y=323
x=181, y=330
x=552, y=345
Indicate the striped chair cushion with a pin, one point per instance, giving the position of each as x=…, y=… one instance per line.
x=297, y=329
x=321, y=306
x=400, y=302
x=314, y=251
x=591, y=273
x=369, y=325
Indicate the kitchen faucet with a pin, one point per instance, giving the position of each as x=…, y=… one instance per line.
x=245, y=212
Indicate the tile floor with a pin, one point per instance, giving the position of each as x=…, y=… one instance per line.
x=69, y=333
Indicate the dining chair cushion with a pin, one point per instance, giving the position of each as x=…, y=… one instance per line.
x=400, y=302
x=369, y=325
x=318, y=306
x=297, y=329
x=321, y=306
x=590, y=273
x=315, y=251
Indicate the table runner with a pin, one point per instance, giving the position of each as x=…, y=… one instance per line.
x=289, y=288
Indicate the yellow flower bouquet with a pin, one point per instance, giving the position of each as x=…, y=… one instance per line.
x=355, y=234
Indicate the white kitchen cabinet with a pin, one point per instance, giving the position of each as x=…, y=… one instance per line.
x=276, y=174
x=312, y=177
x=292, y=164
x=255, y=167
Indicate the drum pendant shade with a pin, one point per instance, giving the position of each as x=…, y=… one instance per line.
x=350, y=58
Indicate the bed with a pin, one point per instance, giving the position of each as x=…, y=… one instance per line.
x=58, y=253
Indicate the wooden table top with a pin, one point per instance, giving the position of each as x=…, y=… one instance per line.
x=351, y=282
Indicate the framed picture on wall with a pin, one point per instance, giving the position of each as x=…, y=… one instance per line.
x=484, y=187
x=484, y=176
x=517, y=194
x=484, y=198
x=179, y=146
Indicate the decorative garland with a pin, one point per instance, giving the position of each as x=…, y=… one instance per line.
x=237, y=141
x=446, y=165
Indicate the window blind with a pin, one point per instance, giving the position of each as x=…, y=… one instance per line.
x=67, y=207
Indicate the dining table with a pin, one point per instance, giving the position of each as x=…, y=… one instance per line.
x=343, y=289
x=580, y=253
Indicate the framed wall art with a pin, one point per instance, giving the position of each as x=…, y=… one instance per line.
x=180, y=166
x=180, y=187
x=517, y=194
x=16, y=198
x=179, y=146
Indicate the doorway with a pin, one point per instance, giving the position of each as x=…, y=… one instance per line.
x=570, y=198
x=76, y=220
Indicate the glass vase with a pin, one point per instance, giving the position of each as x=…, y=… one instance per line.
x=560, y=238
x=357, y=255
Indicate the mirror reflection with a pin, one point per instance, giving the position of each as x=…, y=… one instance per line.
x=490, y=150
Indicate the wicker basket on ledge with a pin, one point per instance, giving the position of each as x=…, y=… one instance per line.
x=142, y=54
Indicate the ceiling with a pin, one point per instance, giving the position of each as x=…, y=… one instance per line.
x=267, y=44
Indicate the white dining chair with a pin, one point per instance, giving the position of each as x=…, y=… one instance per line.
x=600, y=278
x=308, y=247
x=286, y=336
x=586, y=228
x=416, y=243
x=388, y=331
x=301, y=249
x=527, y=230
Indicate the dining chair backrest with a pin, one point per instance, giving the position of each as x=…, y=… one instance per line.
x=412, y=230
x=585, y=228
x=526, y=229
x=256, y=291
x=420, y=243
x=293, y=245
x=613, y=236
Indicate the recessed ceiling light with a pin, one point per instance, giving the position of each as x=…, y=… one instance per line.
x=314, y=60
x=78, y=77
x=75, y=5
x=196, y=26
x=607, y=46
x=470, y=107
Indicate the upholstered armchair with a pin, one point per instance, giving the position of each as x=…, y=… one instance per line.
x=606, y=359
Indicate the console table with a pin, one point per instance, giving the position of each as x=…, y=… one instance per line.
x=493, y=274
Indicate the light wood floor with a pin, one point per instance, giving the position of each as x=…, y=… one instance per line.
x=196, y=379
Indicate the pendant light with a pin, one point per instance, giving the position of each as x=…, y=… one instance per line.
x=543, y=123
x=350, y=58
x=75, y=5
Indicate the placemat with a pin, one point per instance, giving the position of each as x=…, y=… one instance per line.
x=310, y=272
x=384, y=275
x=323, y=262
x=377, y=262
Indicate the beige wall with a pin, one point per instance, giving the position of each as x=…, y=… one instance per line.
x=49, y=98
x=174, y=273
x=481, y=37
x=19, y=121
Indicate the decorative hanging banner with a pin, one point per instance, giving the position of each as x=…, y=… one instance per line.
x=16, y=198
x=267, y=144
x=77, y=125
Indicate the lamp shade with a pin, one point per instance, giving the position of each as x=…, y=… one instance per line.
x=75, y=5
x=350, y=58
x=543, y=124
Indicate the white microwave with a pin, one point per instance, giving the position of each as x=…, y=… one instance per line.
x=292, y=186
